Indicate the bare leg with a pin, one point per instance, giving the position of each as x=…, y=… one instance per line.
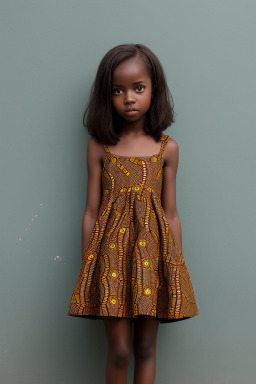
x=119, y=334
x=144, y=346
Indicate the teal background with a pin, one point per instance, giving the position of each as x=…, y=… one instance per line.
x=50, y=51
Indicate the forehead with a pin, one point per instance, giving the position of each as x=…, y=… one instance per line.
x=130, y=70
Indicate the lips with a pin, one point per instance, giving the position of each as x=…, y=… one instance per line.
x=131, y=112
x=131, y=109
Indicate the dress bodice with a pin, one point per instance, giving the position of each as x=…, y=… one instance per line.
x=134, y=174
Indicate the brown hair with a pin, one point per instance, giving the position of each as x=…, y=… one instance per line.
x=102, y=120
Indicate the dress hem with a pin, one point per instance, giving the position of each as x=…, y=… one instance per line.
x=161, y=320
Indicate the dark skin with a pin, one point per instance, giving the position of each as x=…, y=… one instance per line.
x=134, y=142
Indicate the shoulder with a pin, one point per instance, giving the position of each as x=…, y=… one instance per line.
x=93, y=144
x=95, y=150
x=171, y=152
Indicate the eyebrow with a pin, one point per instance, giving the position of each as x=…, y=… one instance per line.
x=136, y=82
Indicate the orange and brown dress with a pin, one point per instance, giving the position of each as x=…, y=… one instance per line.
x=132, y=265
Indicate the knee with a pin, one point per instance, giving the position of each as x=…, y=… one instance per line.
x=120, y=355
x=144, y=349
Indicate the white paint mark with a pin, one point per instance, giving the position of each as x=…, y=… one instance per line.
x=35, y=215
x=58, y=258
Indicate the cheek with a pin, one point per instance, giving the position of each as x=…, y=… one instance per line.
x=148, y=95
x=149, y=98
x=113, y=101
x=116, y=103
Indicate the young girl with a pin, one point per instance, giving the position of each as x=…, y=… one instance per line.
x=133, y=269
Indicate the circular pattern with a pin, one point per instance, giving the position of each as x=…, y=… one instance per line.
x=153, y=159
x=113, y=159
x=136, y=188
x=142, y=243
x=149, y=189
x=90, y=257
x=114, y=274
x=113, y=300
x=147, y=291
x=146, y=263
x=106, y=191
x=112, y=245
x=122, y=230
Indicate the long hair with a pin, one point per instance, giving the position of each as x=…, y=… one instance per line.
x=102, y=121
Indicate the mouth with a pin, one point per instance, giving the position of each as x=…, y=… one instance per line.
x=131, y=111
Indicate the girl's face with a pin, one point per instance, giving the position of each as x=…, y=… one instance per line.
x=131, y=89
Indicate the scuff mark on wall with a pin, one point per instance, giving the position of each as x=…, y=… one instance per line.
x=32, y=220
x=58, y=258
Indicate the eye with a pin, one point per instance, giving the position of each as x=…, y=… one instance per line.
x=141, y=86
x=115, y=91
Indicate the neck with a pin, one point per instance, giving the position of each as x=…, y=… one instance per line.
x=132, y=129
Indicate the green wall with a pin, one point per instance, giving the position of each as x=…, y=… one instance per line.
x=49, y=57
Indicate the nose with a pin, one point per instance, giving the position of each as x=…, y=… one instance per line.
x=129, y=97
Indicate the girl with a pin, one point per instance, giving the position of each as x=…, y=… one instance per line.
x=133, y=270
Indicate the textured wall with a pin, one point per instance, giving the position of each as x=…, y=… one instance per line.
x=49, y=56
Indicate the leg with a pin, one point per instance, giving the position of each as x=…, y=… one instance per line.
x=119, y=334
x=144, y=346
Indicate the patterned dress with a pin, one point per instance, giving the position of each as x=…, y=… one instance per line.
x=132, y=265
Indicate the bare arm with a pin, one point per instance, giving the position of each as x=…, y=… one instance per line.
x=93, y=199
x=171, y=157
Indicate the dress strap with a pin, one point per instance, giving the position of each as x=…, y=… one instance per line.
x=164, y=139
x=106, y=148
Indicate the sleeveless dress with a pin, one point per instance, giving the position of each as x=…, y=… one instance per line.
x=132, y=265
